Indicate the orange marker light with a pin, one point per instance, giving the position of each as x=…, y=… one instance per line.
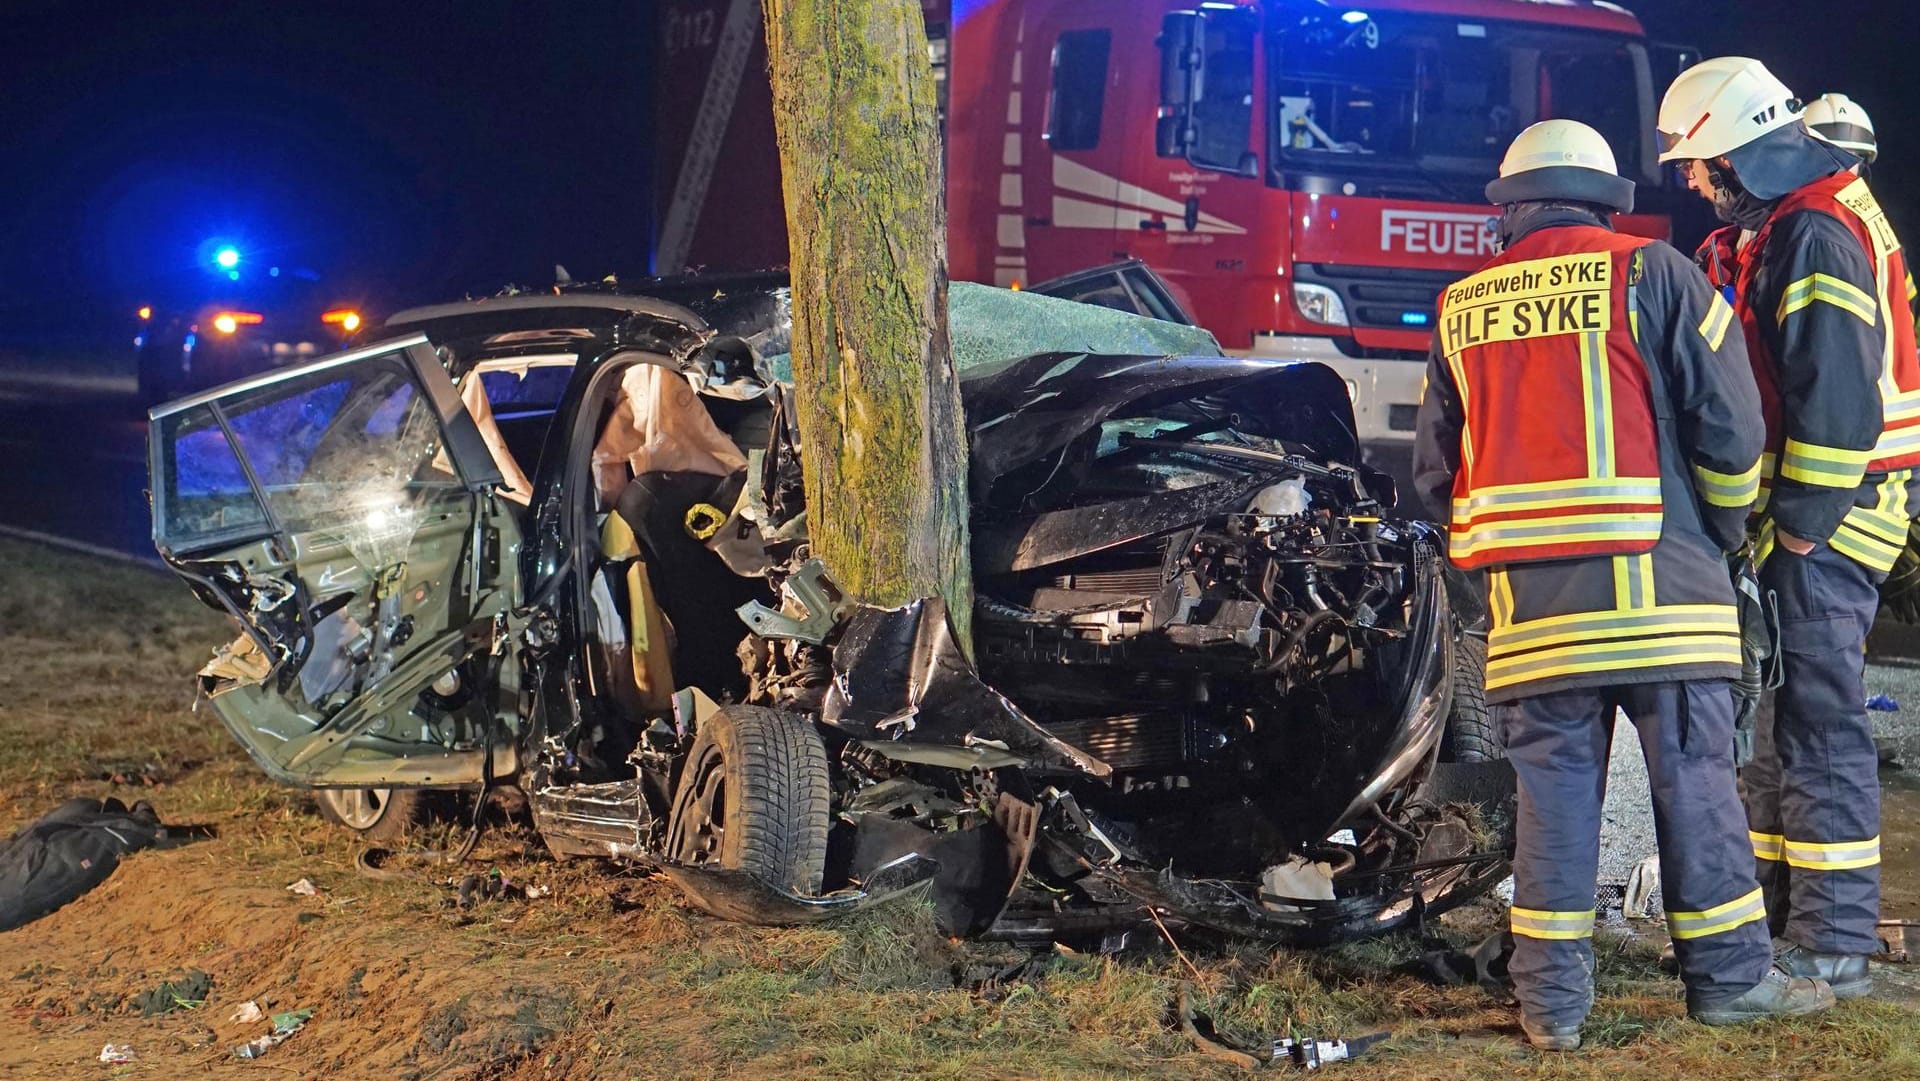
x=145, y=312
x=345, y=318
x=228, y=322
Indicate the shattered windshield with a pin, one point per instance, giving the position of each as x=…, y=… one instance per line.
x=1446, y=94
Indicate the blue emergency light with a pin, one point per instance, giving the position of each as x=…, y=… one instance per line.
x=1415, y=319
x=227, y=257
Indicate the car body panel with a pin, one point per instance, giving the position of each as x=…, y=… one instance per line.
x=344, y=513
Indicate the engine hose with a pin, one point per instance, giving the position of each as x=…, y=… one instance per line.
x=1299, y=635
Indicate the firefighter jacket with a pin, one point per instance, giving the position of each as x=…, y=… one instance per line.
x=1594, y=458
x=1826, y=302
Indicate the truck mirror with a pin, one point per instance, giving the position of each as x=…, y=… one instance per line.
x=1181, y=35
x=1249, y=165
x=1166, y=136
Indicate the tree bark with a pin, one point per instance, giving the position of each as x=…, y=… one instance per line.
x=878, y=403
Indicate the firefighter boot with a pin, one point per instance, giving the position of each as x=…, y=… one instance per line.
x=1547, y=1037
x=1776, y=995
x=1846, y=972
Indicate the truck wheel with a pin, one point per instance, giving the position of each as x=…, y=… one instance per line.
x=1469, y=736
x=377, y=814
x=753, y=796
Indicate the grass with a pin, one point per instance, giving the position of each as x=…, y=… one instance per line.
x=610, y=976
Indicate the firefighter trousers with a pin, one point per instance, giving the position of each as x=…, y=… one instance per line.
x=1812, y=791
x=1558, y=744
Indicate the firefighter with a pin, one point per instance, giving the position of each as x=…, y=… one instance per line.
x=1832, y=117
x=1837, y=119
x=1824, y=300
x=1587, y=435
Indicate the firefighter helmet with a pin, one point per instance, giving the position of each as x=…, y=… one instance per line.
x=1561, y=159
x=1721, y=105
x=1841, y=121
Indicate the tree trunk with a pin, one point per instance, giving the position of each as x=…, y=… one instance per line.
x=883, y=437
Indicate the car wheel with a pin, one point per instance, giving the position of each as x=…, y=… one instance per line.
x=1469, y=736
x=377, y=814
x=753, y=796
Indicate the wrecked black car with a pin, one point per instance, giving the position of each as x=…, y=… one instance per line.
x=557, y=541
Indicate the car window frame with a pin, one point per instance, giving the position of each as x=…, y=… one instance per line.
x=467, y=454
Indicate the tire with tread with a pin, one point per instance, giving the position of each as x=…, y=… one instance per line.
x=1469, y=736
x=774, y=796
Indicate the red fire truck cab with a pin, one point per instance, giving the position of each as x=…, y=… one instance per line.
x=1307, y=176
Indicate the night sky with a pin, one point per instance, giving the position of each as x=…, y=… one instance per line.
x=413, y=152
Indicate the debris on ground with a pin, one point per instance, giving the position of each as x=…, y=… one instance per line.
x=304, y=888
x=117, y=1053
x=1311, y=1053
x=1899, y=941
x=68, y=852
x=247, y=1013
x=284, y=1025
x=471, y=889
x=141, y=774
x=1883, y=703
x=1293, y=1052
x=1484, y=965
x=1636, y=901
x=188, y=992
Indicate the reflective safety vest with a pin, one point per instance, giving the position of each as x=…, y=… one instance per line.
x=1558, y=456
x=1846, y=198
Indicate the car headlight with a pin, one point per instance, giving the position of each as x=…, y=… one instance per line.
x=1319, y=304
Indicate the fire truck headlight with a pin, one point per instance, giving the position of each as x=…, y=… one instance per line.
x=1319, y=304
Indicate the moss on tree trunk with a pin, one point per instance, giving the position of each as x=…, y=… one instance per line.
x=876, y=396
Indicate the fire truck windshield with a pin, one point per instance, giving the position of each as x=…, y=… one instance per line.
x=1444, y=96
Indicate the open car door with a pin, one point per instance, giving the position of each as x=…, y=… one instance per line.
x=346, y=514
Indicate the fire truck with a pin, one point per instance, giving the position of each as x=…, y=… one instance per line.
x=1306, y=176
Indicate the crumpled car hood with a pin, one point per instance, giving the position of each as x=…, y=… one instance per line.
x=1035, y=406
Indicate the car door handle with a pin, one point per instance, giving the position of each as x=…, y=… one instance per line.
x=1148, y=224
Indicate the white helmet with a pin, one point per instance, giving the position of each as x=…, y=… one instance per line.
x=1561, y=159
x=1721, y=105
x=1842, y=122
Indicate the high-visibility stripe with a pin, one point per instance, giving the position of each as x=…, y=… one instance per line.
x=1502, y=592
x=1901, y=405
x=1896, y=441
x=1865, y=550
x=1567, y=660
x=1719, y=919
x=1767, y=846
x=1827, y=467
x=1719, y=316
x=1832, y=855
x=1559, y=530
x=1466, y=408
x=1596, y=390
x=1728, y=489
x=1591, y=491
x=1633, y=581
x=1838, y=292
x=1604, y=626
x=1538, y=923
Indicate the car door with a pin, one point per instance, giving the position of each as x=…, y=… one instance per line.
x=345, y=513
